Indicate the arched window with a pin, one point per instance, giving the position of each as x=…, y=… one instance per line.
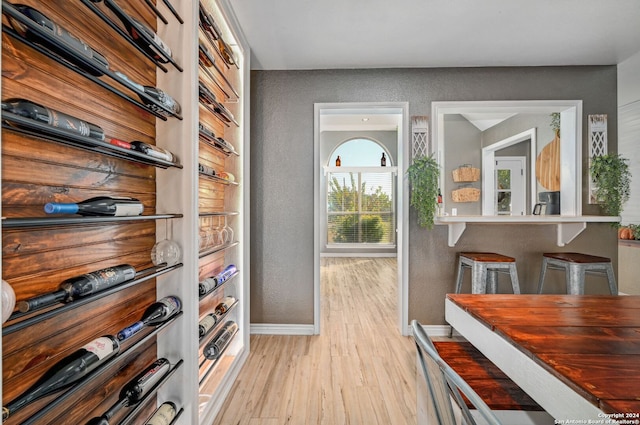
x=361, y=198
x=360, y=152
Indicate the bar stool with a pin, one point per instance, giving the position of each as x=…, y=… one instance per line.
x=576, y=265
x=485, y=267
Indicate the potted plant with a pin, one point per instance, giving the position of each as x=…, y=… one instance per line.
x=612, y=179
x=423, y=175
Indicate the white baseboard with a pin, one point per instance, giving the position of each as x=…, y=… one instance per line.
x=358, y=254
x=437, y=330
x=279, y=329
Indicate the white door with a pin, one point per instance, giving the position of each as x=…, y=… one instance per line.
x=510, y=185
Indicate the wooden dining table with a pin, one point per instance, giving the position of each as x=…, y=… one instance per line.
x=578, y=356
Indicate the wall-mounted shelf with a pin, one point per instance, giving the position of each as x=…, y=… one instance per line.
x=26, y=126
x=567, y=227
x=33, y=222
x=328, y=170
x=39, y=316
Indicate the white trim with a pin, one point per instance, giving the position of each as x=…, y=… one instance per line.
x=281, y=329
x=570, y=148
x=358, y=254
x=401, y=199
x=437, y=330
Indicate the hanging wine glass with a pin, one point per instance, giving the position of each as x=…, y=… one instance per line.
x=166, y=251
x=229, y=230
x=223, y=233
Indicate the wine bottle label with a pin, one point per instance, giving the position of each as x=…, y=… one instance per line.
x=101, y=347
x=123, y=210
x=67, y=122
x=151, y=376
x=120, y=143
x=130, y=331
x=159, y=153
x=224, y=275
x=172, y=303
x=206, y=324
x=162, y=44
x=98, y=280
x=163, y=416
x=206, y=285
x=205, y=169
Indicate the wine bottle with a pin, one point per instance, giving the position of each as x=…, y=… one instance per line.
x=100, y=205
x=81, y=286
x=225, y=305
x=227, y=54
x=156, y=314
x=207, y=23
x=53, y=118
x=209, y=98
x=142, y=35
x=120, y=143
x=383, y=160
x=205, y=56
x=66, y=372
x=135, y=390
x=205, y=169
x=227, y=176
x=8, y=300
x=60, y=41
x=225, y=274
x=220, y=341
x=206, y=323
x=163, y=98
x=163, y=414
x=338, y=161
x=206, y=285
x=154, y=151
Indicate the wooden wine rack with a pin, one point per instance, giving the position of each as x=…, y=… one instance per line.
x=37, y=169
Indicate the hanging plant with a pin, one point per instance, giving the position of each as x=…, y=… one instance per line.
x=423, y=176
x=612, y=178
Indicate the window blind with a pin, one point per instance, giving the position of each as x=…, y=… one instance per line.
x=361, y=208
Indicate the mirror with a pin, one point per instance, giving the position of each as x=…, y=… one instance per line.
x=520, y=159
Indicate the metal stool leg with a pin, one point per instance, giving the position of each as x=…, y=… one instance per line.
x=515, y=284
x=478, y=278
x=611, y=278
x=492, y=281
x=543, y=272
x=460, y=276
x=575, y=279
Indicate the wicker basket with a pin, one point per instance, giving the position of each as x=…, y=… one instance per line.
x=466, y=174
x=466, y=194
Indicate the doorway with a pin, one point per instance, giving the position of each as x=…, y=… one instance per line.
x=376, y=116
x=510, y=185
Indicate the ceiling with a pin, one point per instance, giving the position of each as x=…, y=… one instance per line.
x=336, y=34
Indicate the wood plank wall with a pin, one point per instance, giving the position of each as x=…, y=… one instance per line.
x=35, y=171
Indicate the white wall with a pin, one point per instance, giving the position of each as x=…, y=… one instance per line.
x=628, y=142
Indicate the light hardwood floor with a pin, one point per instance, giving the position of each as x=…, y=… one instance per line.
x=360, y=370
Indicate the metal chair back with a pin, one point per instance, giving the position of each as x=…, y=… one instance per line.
x=444, y=383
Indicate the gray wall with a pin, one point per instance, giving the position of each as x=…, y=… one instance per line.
x=282, y=178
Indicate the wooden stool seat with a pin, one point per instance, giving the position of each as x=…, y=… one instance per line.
x=576, y=266
x=490, y=257
x=486, y=379
x=485, y=267
x=576, y=257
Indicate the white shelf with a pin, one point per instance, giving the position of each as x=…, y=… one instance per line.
x=328, y=170
x=567, y=227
